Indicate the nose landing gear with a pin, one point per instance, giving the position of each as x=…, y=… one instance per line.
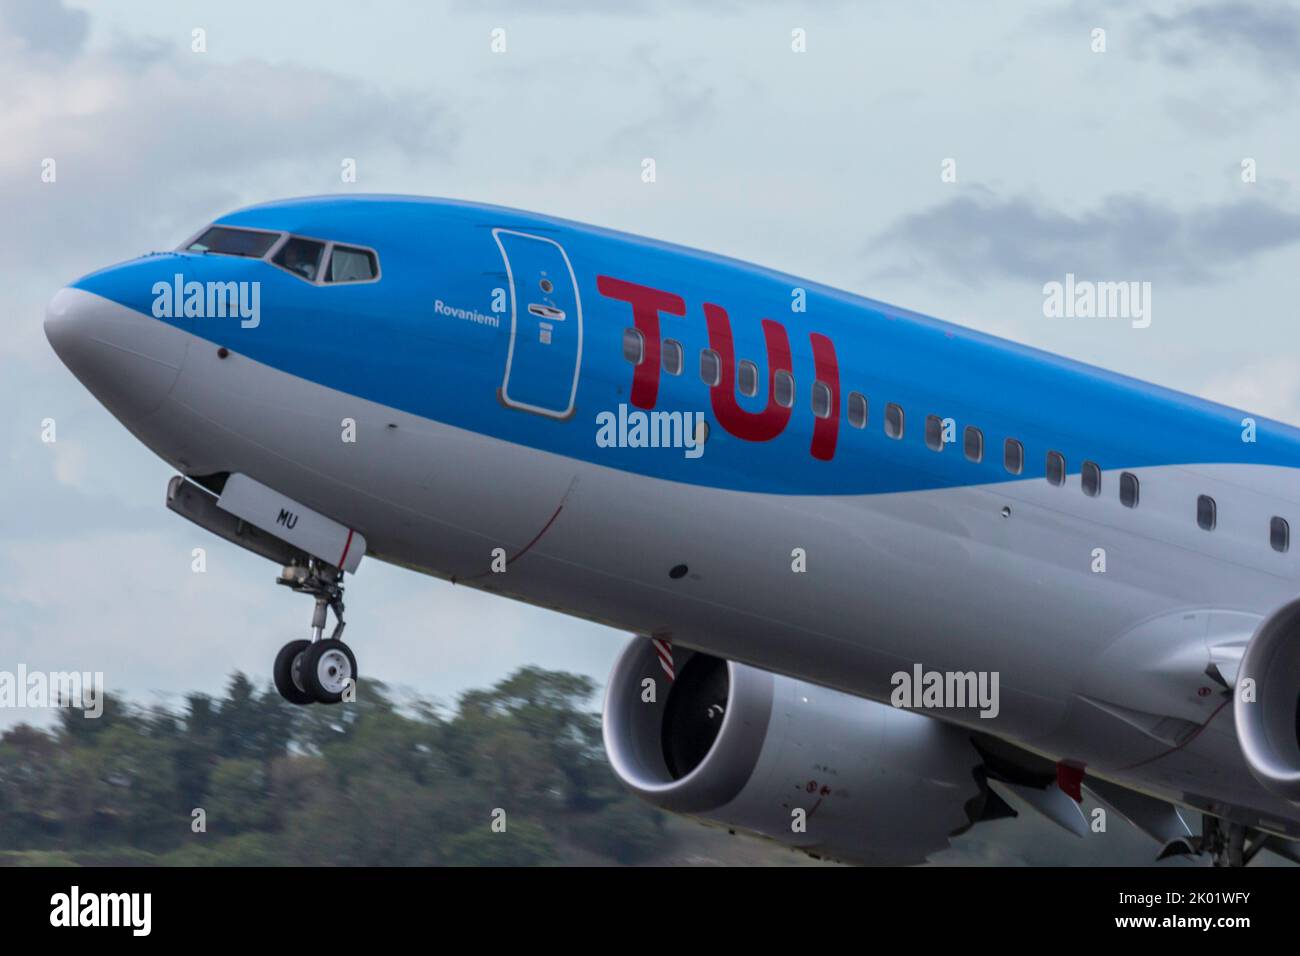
x=1234, y=844
x=321, y=670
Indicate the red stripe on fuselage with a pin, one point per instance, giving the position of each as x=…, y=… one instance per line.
x=347, y=545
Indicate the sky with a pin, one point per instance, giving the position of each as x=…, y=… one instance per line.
x=1122, y=164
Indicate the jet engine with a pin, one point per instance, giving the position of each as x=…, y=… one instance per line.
x=1266, y=704
x=834, y=775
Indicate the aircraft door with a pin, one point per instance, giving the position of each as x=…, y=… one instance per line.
x=545, y=325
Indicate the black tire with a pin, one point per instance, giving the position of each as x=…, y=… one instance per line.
x=282, y=672
x=325, y=667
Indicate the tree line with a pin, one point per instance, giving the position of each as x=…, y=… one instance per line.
x=512, y=775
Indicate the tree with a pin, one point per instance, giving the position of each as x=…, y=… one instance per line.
x=370, y=782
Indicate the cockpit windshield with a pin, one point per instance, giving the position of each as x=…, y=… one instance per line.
x=317, y=261
x=352, y=265
x=301, y=256
x=225, y=241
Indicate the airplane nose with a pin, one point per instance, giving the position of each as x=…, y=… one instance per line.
x=128, y=360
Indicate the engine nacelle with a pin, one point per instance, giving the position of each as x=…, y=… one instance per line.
x=1267, y=710
x=748, y=749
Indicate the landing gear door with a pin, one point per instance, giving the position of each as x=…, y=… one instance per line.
x=545, y=325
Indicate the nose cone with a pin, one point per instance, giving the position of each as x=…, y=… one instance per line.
x=128, y=360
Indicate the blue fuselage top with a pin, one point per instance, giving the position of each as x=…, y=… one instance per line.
x=526, y=328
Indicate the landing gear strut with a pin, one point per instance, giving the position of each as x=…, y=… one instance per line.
x=1230, y=844
x=323, y=669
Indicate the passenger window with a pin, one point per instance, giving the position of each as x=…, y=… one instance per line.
x=1207, y=513
x=783, y=391
x=301, y=257
x=973, y=444
x=857, y=410
x=633, y=346
x=821, y=400
x=1013, y=456
x=672, y=356
x=352, y=265
x=225, y=241
x=934, y=433
x=894, y=420
x=710, y=367
x=748, y=375
x=1091, y=477
x=1279, y=534
x=1055, y=468
x=1128, y=489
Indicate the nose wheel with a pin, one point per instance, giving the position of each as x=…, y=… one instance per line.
x=327, y=670
x=323, y=669
x=287, y=673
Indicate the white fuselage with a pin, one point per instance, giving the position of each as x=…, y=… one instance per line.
x=1096, y=667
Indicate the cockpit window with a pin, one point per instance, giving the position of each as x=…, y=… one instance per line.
x=351, y=265
x=226, y=241
x=301, y=257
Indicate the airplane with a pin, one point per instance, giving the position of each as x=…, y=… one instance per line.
x=887, y=578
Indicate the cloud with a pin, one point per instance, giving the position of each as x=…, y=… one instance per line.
x=150, y=139
x=1270, y=387
x=1266, y=34
x=44, y=26
x=681, y=102
x=981, y=236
